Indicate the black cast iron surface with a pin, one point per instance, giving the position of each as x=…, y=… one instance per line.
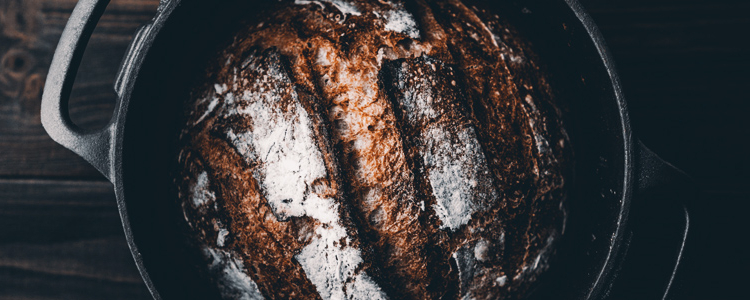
x=62, y=239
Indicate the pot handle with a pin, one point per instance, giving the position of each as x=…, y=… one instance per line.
x=94, y=146
x=657, y=231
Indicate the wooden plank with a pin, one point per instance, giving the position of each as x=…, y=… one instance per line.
x=29, y=32
x=50, y=211
x=64, y=239
x=25, y=285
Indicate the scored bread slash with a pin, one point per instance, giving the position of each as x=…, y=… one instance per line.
x=431, y=109
x=281, y=142
x=380, y=183
x=293, y=178
x=513, y=135
x=430, y=106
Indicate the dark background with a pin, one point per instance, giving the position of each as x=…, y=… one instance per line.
x=683, y=64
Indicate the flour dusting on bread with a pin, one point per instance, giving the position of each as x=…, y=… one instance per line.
x=372, y=149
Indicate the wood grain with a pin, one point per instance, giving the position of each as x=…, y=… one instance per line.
x=29, y=32
x=63, y=239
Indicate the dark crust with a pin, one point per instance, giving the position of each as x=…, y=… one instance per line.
x=266, y=245
x=408, y=255
x=440, y=82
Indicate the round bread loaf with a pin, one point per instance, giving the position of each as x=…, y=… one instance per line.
x=345, y=149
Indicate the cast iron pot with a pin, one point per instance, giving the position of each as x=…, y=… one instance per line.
x=615, y=245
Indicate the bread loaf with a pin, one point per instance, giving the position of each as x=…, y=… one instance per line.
x=344, y=149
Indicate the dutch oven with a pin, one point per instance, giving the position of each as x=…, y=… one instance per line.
x=620, y=241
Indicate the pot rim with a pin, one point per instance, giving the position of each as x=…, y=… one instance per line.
x=146, y=34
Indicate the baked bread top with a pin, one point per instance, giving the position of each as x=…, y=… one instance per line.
x=374, y=150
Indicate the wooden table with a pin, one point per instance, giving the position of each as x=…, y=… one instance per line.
x=684, y=66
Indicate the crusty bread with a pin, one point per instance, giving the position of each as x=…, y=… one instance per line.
x=374, y=150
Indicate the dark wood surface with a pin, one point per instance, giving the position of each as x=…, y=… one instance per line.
x=684, y=67
x=60, y=232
